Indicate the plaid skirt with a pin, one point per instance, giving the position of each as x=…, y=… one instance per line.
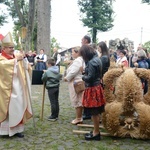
x=93, y=97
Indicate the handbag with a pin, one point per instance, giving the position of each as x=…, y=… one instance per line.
x=79, y=86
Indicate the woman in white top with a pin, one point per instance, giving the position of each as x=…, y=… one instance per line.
x=73, y=75
x=122, y=60
x=41, y=61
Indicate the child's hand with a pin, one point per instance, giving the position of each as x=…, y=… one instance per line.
x=44, y=70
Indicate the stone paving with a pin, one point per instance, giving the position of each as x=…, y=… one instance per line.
x=58, y=135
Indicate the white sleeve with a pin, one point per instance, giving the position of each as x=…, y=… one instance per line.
x=45, y=58
x=58, y=58
x=73, y=70
x=15, y=66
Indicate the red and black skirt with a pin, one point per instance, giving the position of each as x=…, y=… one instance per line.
x=93, y=99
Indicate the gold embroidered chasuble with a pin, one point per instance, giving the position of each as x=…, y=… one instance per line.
x=6, y=85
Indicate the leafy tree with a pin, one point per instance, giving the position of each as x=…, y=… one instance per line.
x=146, y=1
x=3, y=19
x=96, y=15
x=54, y=43
x=22, y=13
x=147, y=46
x=3, y=16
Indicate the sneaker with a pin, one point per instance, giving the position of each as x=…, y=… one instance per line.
x=51, y=118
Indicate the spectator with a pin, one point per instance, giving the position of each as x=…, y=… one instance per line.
x=40, y=60
x=122, y=60
x=104, y=57
x=30, y=56
x=74, y=74
x=57, y=57
x=142, y=63
x=52, y=78
x=86, y=40
x=93, y=99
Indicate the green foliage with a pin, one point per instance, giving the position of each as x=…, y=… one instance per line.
x=147, y=46
x=16, y=35
x=3, y=20
x=96, y=15
x=146, y=1
x=54, y=43
x=22, y=7
x=3, y=16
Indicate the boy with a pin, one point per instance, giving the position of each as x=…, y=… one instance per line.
x=51, y=77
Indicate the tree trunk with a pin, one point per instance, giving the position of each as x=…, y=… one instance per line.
x=43, y=25
x=20, y=15
x=94, y=34
x=31, y=16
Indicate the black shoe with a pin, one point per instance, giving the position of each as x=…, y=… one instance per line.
x=85, y=117
x=20, y=135
x=87, y=134
x=90, y=137
x=51, y=118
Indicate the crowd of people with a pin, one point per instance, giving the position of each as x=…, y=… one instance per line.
x=88, y=63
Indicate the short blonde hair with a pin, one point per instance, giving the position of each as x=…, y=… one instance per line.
x=141, y=53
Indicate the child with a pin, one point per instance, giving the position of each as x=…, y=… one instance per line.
x=51, y=77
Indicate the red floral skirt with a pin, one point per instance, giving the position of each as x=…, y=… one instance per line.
x=93, y=97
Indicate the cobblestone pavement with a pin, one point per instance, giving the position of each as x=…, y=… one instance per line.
x=58, y=135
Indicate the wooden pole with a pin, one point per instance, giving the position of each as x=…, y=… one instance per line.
x=89, y=126
x=84, y=132
x=43, y=99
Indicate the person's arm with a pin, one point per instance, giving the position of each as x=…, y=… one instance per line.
x=44, y=77
x=91, y=73
x=73, y=70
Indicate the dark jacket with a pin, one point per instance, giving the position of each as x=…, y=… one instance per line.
x=143, y=64
x=51, y=77
x=105, y=63
x=92, y=72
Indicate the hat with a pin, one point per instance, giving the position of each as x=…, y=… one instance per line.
x=7, y=40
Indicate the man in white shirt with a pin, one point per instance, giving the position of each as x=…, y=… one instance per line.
x=57, y=57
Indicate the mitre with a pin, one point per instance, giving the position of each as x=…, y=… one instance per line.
x=7, y=41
